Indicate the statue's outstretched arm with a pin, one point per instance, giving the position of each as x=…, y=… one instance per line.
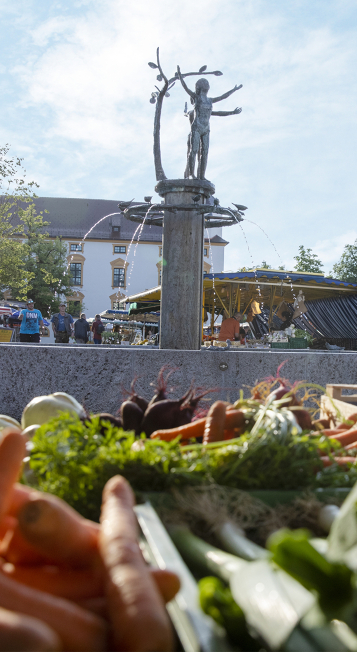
x=191, y=93
x=224, y=113
x=225, y=95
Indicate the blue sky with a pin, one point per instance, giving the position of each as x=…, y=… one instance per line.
x=75, y=89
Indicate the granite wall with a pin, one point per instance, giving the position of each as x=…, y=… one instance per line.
x=96, y=375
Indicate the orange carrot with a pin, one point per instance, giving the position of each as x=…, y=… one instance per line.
x=68, y=583
x=18, y=632
x=79, y=630
x=342, y=461
x=138, y=617
x=346, y=436
x=12, y=452
x=351, y=446
x=16, y=550
x=7, y=523
x=167, y=582
x=98, y=606
x=20, y=495
x=58, y=531
x=330, y=432
x=215, y=423
x=188, y=431
x=235, y=419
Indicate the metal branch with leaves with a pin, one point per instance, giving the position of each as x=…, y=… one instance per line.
x=157, y=97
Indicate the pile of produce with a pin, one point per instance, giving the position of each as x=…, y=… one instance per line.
x=266, y=575
x=269, y=441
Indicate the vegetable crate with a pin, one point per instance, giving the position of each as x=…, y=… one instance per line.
x=279, y=345
x=297, y=343
x=337, y=405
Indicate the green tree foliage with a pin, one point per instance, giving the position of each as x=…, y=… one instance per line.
x=306, y=261
x=263, y=265
x=45, y=261
x=14, y=191
x=346, y=268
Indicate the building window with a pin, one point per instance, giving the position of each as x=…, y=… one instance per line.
x=76, y=247
x=118, y=277
x=160, y=251
x=76, y=273
x=205, y=251
x=120, y=249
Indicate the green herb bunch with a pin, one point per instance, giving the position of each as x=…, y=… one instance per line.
x=73, y=459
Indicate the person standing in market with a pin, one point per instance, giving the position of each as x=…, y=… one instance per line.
x=230, y=328
x=31, y=322
x=62, y=325
x=81, y=330
x=97, y=330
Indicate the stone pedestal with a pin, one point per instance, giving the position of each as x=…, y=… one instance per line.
x=182, y=265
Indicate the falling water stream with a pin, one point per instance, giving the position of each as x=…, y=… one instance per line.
x=141, y=226
x=212, y=267
x=277, y=253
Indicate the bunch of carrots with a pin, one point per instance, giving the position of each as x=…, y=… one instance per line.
x=346, y=435
x=223, y=422
x=67, y=583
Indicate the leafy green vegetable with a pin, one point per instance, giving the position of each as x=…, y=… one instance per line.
x=216, y=600
x=293, y=551
x=74, y=459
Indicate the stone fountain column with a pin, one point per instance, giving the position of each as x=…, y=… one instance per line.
x=182, y=264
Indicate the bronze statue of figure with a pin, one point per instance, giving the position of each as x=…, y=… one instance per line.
x=198, y=140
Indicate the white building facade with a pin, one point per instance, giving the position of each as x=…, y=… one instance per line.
x=110, y=261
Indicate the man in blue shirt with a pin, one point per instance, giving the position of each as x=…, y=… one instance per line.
x=31, y=320
x=62, y=325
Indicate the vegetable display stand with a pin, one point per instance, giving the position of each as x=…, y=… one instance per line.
x=279, y=345
x=297, y=343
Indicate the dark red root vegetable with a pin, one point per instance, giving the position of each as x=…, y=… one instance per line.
x=132, y=416
x=302, y=417
x=163, y=415
x=134, y=397
x=168, y=413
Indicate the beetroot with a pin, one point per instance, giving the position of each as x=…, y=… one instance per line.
x=134, y=397
x=168, y=413
x=164, y=415
x=132, y=416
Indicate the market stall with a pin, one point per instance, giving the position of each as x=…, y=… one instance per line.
x=328, y=307
x=123, y=328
